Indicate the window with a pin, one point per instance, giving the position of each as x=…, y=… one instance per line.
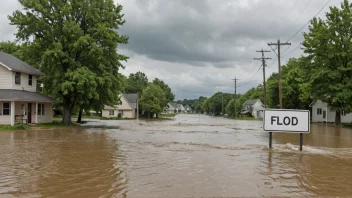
x=30, y=77
x=111, y=112
x=5, y=108
x=121, y=112
x=40, y=109
x=18, y=78
x=319, y=112
x=343, y=113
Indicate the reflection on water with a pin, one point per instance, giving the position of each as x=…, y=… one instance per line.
x=189, y=156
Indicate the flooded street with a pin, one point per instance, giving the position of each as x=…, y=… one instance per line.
x=189, y=156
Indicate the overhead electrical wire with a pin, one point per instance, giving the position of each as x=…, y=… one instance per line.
x=308, y=21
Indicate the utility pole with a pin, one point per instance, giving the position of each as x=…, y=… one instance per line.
x=222, y=100
x=263, y=59
x=235, y=81
x=278, y=44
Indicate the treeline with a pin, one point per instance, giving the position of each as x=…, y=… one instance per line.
x=153, y=96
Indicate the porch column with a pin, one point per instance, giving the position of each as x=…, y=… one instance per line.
x=12, y=113
x=36, y=113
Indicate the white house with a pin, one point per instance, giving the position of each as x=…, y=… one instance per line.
x=128, y=107
x=254, y=108
x=19, y=100
x=188, y=109
x=322, y=112
x=171, y=108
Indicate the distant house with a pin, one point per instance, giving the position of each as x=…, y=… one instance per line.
x=188, y=109
x=174, y=108
x=322, y=112
x=171, y=108
x=253, y=108
x=19, y=100
x=181, y=108
x=127, y=107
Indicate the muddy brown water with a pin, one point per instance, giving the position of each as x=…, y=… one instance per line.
x=190, y=156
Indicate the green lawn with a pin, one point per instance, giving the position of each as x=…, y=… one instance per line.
x=56, y=124
x=14, y=128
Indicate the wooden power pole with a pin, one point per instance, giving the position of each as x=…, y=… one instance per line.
x=235, y=81
x=278, y=44
x=263, y=59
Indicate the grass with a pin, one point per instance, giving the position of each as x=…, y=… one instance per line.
x=116, y=118
x=17, y=127
x=167, y=115
x=56, y=124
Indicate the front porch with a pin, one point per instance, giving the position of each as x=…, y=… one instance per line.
x=24, y=112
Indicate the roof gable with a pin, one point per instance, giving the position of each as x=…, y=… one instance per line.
x=12, y=63
x=132, y=99
x=250, y=102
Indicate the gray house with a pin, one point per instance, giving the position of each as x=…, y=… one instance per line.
x=19, y=100
x=253, y=108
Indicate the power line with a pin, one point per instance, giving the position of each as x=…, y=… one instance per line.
x=294, y=5
x=292, y=50
x=278, y=44
x=308, y=21
x=263, y=59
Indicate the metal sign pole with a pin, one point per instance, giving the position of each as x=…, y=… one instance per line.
x=270, y=139
x=300, y=141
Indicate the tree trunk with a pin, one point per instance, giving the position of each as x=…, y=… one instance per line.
x=148, y=115
x=79, y=119
x=157, y=115
x=66, y=118
x=337, y=117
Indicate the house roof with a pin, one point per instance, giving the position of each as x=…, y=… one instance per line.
x=250, y=102
x=132, y=99
x=14, y=64
x=19, y=95
x=174, y=105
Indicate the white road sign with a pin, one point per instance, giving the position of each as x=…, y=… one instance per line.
x=286, y=120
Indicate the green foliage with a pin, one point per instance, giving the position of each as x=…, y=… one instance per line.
x=119, y=115
x=168, y=94
x=10, y=48
x=15, y=127
x=136, y=83
x=74, y=43
x=329, y=65
x=153, y=100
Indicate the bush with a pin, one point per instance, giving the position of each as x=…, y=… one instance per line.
x=119, y=116
x=13, y=128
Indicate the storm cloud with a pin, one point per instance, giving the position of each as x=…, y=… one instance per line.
x=198, y=46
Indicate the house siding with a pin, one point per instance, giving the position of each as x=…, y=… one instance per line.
x=128, y=111
x=5, y=78
x=24, y=82
x=331, y=113
x=257, y=107
x=6, y=120
x=48, y=113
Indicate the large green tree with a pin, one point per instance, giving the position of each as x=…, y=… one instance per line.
x=329, y=48
x=153, y=100
x=167, y=90
x=75, y=44
x=136, y=83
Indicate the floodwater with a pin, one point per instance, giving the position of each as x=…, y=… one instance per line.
x=189, y=156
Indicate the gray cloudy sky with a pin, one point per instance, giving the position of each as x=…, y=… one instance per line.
x=198, y=46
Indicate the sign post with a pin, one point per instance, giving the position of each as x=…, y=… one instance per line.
x=286, y=120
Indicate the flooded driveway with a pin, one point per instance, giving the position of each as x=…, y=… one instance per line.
x=190, y=156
